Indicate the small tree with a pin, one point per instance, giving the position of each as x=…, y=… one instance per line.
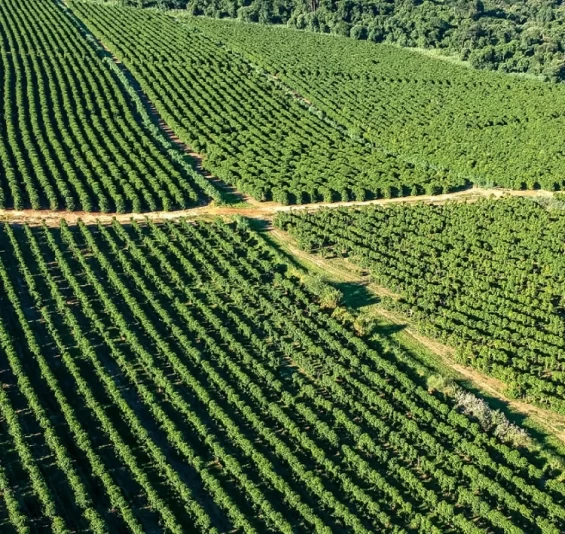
x=440, y=383
x=358, y=32
x=328, y=296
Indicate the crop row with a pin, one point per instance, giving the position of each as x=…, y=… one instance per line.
x=485, y=277
x=74, y=136
x=253, y=131
x=488, y=127
x=161, y=376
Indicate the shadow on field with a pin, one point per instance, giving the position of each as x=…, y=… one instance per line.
x=415, y=360
x=355, y=294
x=263, y=226
x=389, y=329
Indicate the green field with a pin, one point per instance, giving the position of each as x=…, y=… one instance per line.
x=486, y=127
x=179, y=376
x=254, y=131
x=196, y=370
x=73, y=134
x=487, y=278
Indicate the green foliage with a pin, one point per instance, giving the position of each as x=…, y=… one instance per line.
x=253, y=130
x=453, y=124
x=519, y=36
x=184, y=364
x=328, y=296
x=487, y=278
x=440, y=383
x=75, y=135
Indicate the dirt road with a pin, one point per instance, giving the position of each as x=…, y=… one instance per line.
x=265, y=210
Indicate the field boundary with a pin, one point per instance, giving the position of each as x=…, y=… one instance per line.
x=263, y=210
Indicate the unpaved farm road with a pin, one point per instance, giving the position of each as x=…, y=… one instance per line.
x=265, y=210
x=342, y=270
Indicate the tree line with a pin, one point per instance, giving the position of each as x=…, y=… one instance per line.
x=519, y=36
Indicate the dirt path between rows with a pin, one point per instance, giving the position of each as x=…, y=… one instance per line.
x=345, y=271
x=264, y=210
x=551, y=421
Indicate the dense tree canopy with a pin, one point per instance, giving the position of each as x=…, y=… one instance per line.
x=180, y=377
x=506, y=35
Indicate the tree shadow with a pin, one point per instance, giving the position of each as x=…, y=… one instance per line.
x=260, y=225
x=389, y=329
x=356, y=295
x=263, y=226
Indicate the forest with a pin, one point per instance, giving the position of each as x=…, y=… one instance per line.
x=517, y=36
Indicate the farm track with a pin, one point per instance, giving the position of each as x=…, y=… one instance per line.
x=251, y=208
x=344, y=271
x=265, y=210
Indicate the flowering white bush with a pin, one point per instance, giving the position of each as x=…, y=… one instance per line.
x=490, y=420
